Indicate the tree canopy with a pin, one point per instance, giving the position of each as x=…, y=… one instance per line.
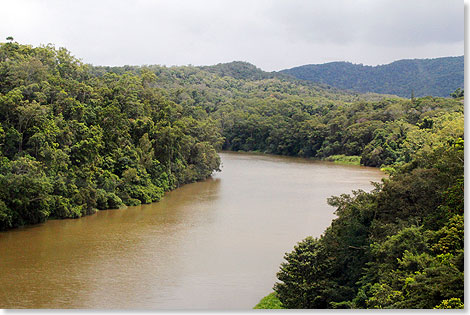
x=72, y=142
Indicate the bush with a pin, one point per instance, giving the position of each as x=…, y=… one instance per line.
x=270, y=301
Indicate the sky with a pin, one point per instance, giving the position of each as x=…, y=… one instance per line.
x=271, y=34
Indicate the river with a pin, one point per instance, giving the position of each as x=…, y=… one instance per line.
x=215, y=244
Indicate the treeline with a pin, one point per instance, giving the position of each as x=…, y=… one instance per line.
x=72, y=142
x=382, y=132
x=418, y=77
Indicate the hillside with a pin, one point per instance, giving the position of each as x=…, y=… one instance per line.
x=434, y=77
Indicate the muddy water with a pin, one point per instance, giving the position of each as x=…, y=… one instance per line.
x=216, y=244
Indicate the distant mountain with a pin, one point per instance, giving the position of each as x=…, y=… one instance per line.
x=239, y=70
x=435, y=77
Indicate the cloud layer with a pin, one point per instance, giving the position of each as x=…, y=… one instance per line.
x=272, y=34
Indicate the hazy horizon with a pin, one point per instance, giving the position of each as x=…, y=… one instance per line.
x=307, y=64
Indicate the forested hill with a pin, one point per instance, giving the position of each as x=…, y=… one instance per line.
x=240, y=70
x=423, y=77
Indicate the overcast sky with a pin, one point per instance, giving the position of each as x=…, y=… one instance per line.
x=272, y=34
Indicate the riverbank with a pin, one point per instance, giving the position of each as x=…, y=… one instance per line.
x=344, y=159
x=197, y=248
x=337, y=159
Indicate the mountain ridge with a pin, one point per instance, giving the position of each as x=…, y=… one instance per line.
x=405, y=77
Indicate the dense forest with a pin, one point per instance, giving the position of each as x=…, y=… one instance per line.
x=77, y=138
x=279, y=115
x=72, y=142
x=418, y=77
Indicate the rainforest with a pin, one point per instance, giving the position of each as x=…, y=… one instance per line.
x=76, y=139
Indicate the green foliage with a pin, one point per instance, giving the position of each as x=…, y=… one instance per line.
x=305, y=276
x=239, y=70
x=270, y=301
x=344, y=159
x=457, y=93
x=381, y=133
x=6, y=216
x=26, y=191
x=72, y=142
x=453, y=303
x=416, y=77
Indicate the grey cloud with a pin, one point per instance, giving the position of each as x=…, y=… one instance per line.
x=273, y=34
x=382, y=22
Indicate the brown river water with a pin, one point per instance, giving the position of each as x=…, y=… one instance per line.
x=215, y=244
